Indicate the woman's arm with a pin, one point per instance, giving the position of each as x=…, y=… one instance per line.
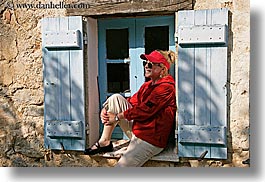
x=160, y=97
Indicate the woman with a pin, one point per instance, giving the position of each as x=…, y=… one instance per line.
x=146, y=118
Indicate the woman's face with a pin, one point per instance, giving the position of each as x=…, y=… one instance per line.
x=152, y=70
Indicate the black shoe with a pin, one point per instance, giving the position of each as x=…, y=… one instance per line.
x=99, y=149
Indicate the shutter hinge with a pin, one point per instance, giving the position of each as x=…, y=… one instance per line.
x=85, y=38
x=176, y=37
x=176, y=133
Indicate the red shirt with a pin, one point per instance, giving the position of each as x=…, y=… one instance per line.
x=153, y=111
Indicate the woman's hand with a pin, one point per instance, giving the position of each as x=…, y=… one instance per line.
x=111, y=118
x=107, y=118
x=104, y=116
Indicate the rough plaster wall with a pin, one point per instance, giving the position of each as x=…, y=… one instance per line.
x=21, y=90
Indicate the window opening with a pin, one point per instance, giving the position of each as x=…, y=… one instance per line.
x=117, y=43
x=156, y=38
x=118, y=77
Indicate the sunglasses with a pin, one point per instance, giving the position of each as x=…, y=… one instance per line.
x=150, y=64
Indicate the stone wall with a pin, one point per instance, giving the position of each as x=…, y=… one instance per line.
x=21, y=87
x=21, y=90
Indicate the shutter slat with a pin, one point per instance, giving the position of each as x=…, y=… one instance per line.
x=77, y=82
x=202, y=84
x=65, y=86
x=219, y=78
x=51, y=82
x=186, y=83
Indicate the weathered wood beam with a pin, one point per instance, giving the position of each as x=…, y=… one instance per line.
x=112, y=7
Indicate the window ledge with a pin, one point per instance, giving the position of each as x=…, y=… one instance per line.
x=120, y=147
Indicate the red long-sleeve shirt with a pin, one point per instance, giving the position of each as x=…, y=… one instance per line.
x=153, y=111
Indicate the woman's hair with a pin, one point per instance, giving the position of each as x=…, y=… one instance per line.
x=169, y=55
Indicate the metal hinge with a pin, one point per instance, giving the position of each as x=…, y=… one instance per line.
x=176, y=37
x=85, y=38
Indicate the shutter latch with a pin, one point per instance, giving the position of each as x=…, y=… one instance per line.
x=203, y=155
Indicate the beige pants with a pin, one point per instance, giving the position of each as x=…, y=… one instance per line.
x=138, y=151
x=116, y=104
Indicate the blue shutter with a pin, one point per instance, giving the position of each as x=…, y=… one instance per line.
x=202, y=77
x=64, y=104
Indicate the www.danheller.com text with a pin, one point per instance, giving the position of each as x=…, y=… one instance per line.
x=51, y=5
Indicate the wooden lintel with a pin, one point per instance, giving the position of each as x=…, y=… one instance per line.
x=122, y=7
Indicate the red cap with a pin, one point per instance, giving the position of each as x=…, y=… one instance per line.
x=155, y=57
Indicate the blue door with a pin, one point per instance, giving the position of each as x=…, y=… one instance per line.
x=121, y=41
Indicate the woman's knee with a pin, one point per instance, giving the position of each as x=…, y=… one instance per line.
x=116, y=96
